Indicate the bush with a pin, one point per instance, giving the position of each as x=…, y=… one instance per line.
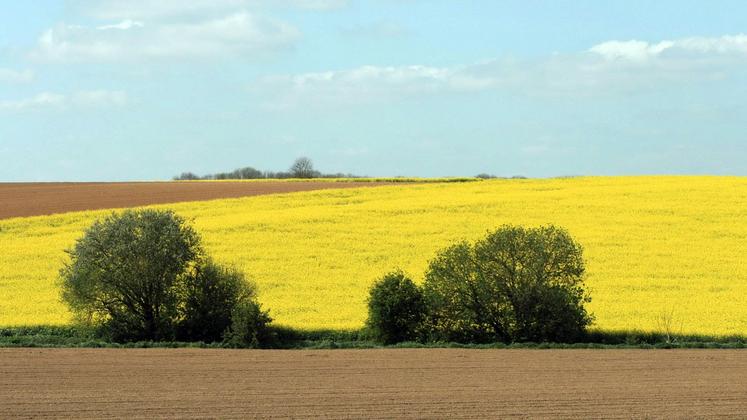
x=516, y=284
x=396, y=309
x=211, y=295
x=249, y=327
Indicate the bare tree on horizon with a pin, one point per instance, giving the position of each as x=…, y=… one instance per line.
x=303, y=167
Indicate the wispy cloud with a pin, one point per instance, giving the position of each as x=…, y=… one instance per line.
x=149, y=9
x=41, y=100
x=99, y=98
x=15, y=76
x=378, y=29
x=123, y=25
x=369, y=83
x=238, y=33
x=608, y=68
x=46, y=100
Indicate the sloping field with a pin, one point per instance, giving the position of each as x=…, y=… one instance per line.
x=664, y=253
x=395, y=383
x=35, y=199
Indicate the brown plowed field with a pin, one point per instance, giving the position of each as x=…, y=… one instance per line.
x=391, y=383
x=36, y=199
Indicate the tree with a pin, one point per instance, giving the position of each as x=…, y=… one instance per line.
x=302, y=168
x=516, y=284
x=211, y=294
x=396, y=309
x=127, y=270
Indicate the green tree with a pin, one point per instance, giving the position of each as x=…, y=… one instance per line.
x=396, y=309
x=126, y=273
x=516, y=284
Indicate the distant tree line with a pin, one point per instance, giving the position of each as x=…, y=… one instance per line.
x=302, y=167
x=491, y=176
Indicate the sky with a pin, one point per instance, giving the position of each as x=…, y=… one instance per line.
x=105, y=90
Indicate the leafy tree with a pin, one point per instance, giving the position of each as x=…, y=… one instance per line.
x=126, y=273
x=396, y=309
x=516, y=284
x=302, y=168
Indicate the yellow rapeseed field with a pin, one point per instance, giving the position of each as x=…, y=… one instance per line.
x=655, y=246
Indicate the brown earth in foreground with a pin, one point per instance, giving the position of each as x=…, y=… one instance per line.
x=36, y=199
x=435, y=383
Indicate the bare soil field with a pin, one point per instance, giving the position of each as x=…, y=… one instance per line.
x=37, y=199
x=402, y=383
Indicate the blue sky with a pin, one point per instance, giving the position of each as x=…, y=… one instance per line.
x=140, y=90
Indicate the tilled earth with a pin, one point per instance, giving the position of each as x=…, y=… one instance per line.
x=386, y=383
x=36, y=199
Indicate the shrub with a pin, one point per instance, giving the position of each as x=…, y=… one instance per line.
x=125, y=273
x=211, y=295
x=516, y=284
x=249, y=327
x=396, y=309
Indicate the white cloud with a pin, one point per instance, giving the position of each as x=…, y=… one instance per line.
x=149, y=9
x=45, y=100
x=630, y=50
x=640, y=50
x=239, y=33
x=313, y=4
x=123, y=25
x=15, y=76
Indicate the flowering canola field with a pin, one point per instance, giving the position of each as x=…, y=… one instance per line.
x=671, y=247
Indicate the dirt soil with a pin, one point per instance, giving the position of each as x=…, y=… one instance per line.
x=36, y=199
x=401, y=383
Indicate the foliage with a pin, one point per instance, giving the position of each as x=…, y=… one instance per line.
x=396, y=309
x=249, y=327
x=126, y=271
x=651, y=244
x=142, y=275
x=211, y=295
x=516, y=284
